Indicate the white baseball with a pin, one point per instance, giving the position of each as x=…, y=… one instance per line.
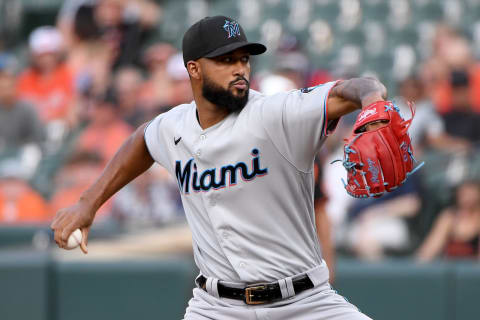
x=74, y=240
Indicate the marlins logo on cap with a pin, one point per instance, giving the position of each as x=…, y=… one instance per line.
x=206, y=39
x=232, y=28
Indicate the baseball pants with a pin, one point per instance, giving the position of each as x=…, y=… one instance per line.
x=318, y=303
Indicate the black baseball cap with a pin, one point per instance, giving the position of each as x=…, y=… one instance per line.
x=213, y=36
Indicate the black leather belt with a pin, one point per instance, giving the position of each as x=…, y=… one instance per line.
x=259, y=293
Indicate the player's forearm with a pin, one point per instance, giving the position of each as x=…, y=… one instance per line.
x=131, y=160
x=360, y=91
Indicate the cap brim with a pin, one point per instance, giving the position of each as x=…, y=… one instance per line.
x=252, y=48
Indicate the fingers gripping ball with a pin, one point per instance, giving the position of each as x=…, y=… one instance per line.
x=378, y=158
x=74, y=240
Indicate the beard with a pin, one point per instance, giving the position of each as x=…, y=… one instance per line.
x=224, y=98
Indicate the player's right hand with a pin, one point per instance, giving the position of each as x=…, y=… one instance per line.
x=78, y=216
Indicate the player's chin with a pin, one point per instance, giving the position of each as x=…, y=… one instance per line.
x=239, y=92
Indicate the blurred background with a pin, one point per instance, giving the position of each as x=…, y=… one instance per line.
x=78, y=76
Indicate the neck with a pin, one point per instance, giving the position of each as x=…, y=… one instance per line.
x=208, y=113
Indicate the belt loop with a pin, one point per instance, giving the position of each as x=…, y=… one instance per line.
x=286, y=287
x=283, y=288
x=319, y=274
x=291, y=290
x=212, y=287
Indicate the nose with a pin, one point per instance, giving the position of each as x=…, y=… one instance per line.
x=240, y=69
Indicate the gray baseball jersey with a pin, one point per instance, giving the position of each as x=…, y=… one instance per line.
x=247, y=182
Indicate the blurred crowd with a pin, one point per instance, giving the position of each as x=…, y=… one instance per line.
x=88, y=83
x=94, y=76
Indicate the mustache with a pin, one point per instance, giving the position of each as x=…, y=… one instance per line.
x=239, y=79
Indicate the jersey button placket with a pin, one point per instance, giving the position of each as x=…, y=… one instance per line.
x=202, y=138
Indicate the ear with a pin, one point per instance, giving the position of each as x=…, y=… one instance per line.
x=194, y=69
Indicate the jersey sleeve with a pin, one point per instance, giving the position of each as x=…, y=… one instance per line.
x=296, y=122
x=155, y=142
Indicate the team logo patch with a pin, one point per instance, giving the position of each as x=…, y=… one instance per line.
x=374, y=171
x=365, y=114
x=232, y=28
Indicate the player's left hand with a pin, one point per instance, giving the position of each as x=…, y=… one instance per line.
x=378, y=155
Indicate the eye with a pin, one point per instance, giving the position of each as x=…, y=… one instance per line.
x=245, y=59
x=227, y=59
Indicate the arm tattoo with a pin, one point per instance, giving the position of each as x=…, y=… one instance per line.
x=357, y=89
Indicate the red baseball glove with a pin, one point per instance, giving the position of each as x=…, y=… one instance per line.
x=378, y=159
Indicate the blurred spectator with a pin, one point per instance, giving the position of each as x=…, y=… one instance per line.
x=125, y=26
x=8, y=63
x=293, y=66
x=48, y=82
x=156, y=91
x=80, y=171
x=151, y=199
x=106, y=130
x=456, y=231
x=19, y=203
x=427, y=128
x=181, y=89
x=370, y=228
x=379, y=225
x=274, y=83
x=127, y=84
x=451, y=51
x=461, y=121
x=19, y=123
x=89, y=58
x=67, y=16
x=291, y=62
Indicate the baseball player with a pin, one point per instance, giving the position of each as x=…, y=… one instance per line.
x=244, y=166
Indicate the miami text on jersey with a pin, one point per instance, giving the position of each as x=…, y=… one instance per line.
x=204, y=181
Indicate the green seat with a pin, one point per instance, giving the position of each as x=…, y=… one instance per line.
x=171, y=27
x=328, y=10
x=224, y=7
x=407, y=35
x=279, y=11
x=433, y=11
x=377, y=11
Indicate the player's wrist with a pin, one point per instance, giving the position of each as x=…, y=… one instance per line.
x=88, y=204
x=371, y=99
